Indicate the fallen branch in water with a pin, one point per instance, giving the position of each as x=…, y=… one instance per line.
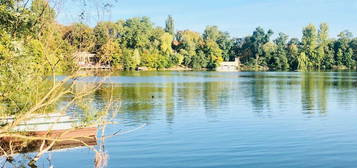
x=125, y=132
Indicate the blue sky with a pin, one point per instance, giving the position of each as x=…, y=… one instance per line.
x=238, y=17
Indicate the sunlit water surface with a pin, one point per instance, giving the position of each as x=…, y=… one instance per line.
x=228, y=120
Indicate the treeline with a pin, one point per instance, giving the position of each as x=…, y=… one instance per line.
x=128, y=44
x=315, y=50
x=135, y=42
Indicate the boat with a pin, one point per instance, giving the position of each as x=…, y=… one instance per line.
x=41, y=130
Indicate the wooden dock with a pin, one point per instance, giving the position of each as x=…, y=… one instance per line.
x=94, y=67
x=67, y=139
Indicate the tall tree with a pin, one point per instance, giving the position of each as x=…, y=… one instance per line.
x=293, y=53
x=223, y=40
x=303, y=62
x=136, y=33
x=309, y=45
x=344, y=54
x=329, y=60
x=213, y=54
x=322, y=49
x=109, y=53
x=104, y=32
x=81, y=36
x=269, y=54
x=170, y=25
x=280, y=60
x=159, y=54
x=237, y=49
x=257, y=40
x=189, y=44
x=130, y=59
x=353, y=45
x=211, y=33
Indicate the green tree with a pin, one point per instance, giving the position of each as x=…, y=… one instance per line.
x=344, y=53
x=329, y=60
x=104, y=32
x=136, y=58
x=303, y=62
x=323, y=49
x=20, y=74
x=213, y=54
x=167, y=54
x=199, y=60
x=226, y=43
x=309, y=46
x=353, y=46
x=81, y=36
x=130, y=59
x=16, y=20
x=348, y=60
x=269, y=49
x=255, y=44
x=160, y=48
x=136, y=33
x=189, y=44
x=293, y=53
x=211, y=33
x=279, y=59
x=110, y=53
x=339, y=57
x=239, y=49
x=165, y=43
x=170, y=25
x=223, y=40
x=154, y=59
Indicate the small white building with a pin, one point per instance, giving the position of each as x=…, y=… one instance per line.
x=86, y=60
x=229, y=66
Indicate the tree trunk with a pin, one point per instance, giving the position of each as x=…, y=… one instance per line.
x=256, y=61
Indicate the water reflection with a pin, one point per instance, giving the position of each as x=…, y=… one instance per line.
x=245, y=97
x=144, y=95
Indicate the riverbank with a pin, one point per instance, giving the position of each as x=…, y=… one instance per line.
x=175, y=68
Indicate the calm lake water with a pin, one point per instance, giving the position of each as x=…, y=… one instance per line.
x=228, y=120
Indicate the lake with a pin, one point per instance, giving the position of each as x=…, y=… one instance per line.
x=227, y=120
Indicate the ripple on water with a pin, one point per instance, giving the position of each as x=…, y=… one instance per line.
x=244, y=119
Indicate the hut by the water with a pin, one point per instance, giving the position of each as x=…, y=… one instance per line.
x=229, y=66
x=87, y=60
